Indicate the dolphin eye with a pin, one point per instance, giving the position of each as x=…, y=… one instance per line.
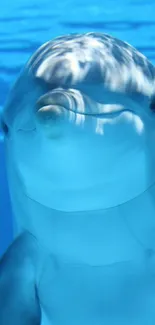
x=4, y=128
x=152, y=105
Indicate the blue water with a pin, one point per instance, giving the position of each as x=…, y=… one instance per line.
x=26, y=25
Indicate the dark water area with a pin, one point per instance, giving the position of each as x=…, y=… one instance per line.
x=25, y=25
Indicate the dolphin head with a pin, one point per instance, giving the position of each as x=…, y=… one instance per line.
x=80, y=124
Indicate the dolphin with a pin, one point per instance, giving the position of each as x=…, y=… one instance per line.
x=79, y=134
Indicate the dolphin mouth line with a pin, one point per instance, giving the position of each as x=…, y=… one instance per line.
x=103, y=115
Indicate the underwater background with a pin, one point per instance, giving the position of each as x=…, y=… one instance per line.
x=26, y=24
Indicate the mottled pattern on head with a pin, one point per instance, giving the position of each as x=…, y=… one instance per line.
x=93, y=58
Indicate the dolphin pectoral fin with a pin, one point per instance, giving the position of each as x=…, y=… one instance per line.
x=19, y=303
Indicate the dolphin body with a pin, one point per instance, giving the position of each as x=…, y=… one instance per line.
x=79, y=132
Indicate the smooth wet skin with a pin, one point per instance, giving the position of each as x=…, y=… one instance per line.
x=79, y=130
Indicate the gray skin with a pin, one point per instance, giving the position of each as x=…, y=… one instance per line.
x=79, y=136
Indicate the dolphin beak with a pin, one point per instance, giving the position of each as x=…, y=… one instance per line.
x=52, y=114
x=49, y=114
x=49, y=120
